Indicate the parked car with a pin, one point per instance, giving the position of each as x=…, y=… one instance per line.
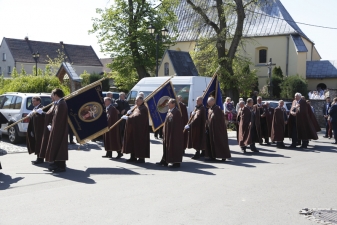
x=15, y=106
x=274, y=104
x=115, y=95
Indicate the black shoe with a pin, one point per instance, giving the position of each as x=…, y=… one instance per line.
x=292, y=146
x=38, y=161
x=243, y=149
x=59, y=170
x=210, y=159
x=325, y=136
x=202, y=154
x=162, y=163
x=223, y=160
x=131, y=160
x=196, y=155
x=155, y=137
x=253, y=149
x=161, y=137
x=52, y=167
x=267, y=143
x=304, y=146
x=174, y=165
x=120, y=155
x=141, y=161
x=72, y=143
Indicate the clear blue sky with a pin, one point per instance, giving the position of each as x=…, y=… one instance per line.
x=70, y=20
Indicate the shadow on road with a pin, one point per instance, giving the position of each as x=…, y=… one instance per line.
x=155, y=142
x=79, y=176
x=188, y=167
x=7, y=180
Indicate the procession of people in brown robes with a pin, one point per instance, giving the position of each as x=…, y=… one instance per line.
x=47, y=132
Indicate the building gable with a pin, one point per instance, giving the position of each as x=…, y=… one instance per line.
x=181, y=62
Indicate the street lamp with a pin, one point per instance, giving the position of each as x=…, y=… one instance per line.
x=151, y=29
x=36, y=56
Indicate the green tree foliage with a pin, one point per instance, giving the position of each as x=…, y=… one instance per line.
x=55, y=64
x=293, y=84
x=125, y=83
x=277, y=71
x=122, y=32
x=90, y=78
x=225, y=43
x=206, y=60
x=14, y=73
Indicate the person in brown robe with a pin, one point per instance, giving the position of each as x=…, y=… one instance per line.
x=112, y=138
x=300, y=126
x=258, y=112
x=137, y=136
x=268, y=114
x=279, y=122
x=35, y=129
x=48, y=118
x=173, y=138
x=184, y=114
x=216, y=133
x=196, y=129
x=248, y=133
x=238, y=118
x=57, y=148
x=264, y=117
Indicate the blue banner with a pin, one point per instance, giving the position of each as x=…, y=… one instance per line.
x=86, y=113
x=213, y=90
x=157, y=104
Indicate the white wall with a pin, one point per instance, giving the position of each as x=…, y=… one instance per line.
x=9, y=59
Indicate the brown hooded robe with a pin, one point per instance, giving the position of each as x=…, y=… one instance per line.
x=173, y=138
x=184, y=114
x=136, y=135
x=217, y=137
x=48, y=118
x=57, y=148
x=278, y=125
x=35, y=132
x=112, y=138
x=196, y=133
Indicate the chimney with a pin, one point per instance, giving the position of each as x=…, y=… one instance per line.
x=61, y=42
x=26, y=38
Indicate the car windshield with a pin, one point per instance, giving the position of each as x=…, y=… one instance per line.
x=44, y=101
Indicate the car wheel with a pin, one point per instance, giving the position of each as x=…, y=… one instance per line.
x=13, y=135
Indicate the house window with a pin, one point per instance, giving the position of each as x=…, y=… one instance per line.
x=4, y=57
x=9, y=70
x=166, y=69
x=263, y=56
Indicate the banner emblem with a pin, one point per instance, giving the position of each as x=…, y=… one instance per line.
x=162, y=104
x=90, y=112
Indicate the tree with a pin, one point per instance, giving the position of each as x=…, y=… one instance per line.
x=122, y=32
x=14, y=73
x=225, y=42
x=206, y=61
x=293, y=84
x=277, y=79
x=54, y=64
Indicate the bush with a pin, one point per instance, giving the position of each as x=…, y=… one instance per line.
x=293, y=84
x=32, y=84
x=91, y=78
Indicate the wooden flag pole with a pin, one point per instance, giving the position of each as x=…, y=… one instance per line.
x=65, y=98
x=148, y=97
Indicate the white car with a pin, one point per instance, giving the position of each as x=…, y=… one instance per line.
x=274, y=104
x=15, y=106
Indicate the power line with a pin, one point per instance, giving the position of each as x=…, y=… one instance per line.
x=307, y=24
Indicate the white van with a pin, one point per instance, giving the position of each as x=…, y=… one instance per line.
x=189, y=87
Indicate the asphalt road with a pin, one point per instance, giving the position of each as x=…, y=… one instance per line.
x=269, y=187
